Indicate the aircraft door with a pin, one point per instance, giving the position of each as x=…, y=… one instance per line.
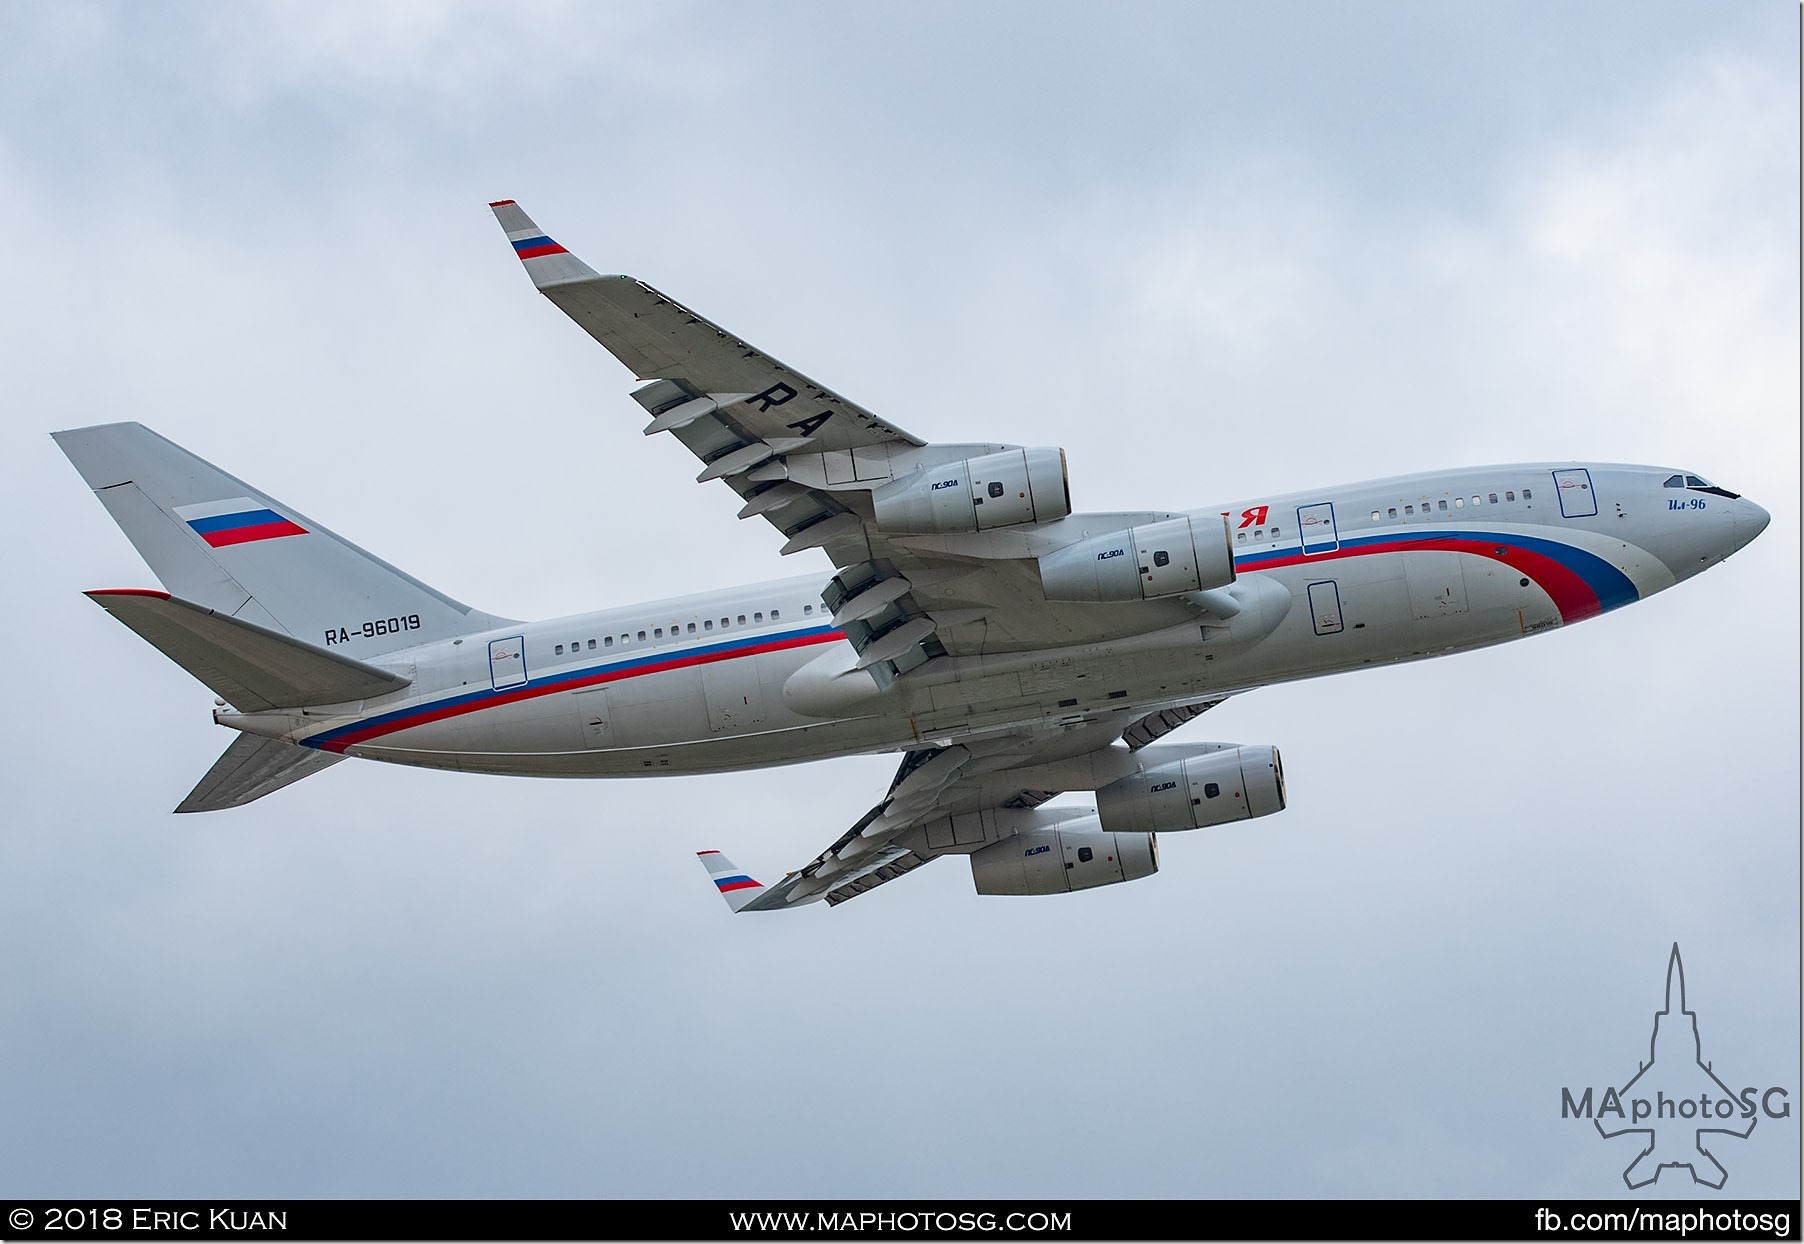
x=1324, y=608
x=1437, y=584
x=1315, y=524
x=1577, y=500
x=734, y=695
x=507, y=662
x=593, y=718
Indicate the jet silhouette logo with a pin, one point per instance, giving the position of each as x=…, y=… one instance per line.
x=1676, y=1102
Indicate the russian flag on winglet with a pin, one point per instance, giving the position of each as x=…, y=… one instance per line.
x=724, y=875
x=532, y=248
x=237, y=521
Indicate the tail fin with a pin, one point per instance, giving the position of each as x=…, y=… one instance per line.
x=216, y=541
x=734, y=886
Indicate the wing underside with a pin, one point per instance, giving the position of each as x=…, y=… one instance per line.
x=957, y=800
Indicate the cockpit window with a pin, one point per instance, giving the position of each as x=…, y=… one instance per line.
x=1700, y=484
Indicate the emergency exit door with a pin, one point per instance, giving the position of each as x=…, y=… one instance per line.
x=1577, y=500
x=1315, y=524
x=507, y=662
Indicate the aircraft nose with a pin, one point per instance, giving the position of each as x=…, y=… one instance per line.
x=1750, y=521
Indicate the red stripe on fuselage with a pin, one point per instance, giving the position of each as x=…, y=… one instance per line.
x=1575, y=599
x=428, y=715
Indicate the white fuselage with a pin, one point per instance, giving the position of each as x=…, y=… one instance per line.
x=1366, y=574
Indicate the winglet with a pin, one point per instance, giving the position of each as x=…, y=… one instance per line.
x=547, y=263
x=734, y=885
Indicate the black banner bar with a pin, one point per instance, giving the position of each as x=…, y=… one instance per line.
x=900, y=1220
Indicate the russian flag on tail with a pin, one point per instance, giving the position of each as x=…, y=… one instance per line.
x=237, y=521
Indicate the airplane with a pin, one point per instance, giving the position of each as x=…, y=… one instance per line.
x=1010, y=647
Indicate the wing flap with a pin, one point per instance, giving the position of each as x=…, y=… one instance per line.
x=251, y=768
x=252, y=667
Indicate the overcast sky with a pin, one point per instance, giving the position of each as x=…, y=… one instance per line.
x=1213, y=250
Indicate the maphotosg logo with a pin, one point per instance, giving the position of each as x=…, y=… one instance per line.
x=1676, y=1102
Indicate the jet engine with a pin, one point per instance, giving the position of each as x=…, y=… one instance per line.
x=1188, y=554
x=1193, y=786
x=1071, y=855
x=976, y=494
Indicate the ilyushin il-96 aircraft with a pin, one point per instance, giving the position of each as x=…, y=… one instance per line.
x=1010, y=648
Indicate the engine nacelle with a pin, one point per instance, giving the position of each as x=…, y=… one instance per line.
x=1183, y=786
x=997, y=490
x=1071, y=855
x=1187, y=554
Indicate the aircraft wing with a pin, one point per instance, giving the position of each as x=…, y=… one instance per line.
x=813, y=463
x=953, y=801
x=660, y=339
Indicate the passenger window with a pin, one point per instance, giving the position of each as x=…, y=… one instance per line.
x=607, y=641
x=1392, y=511
x=1459, y=503
x=757, y=617
x=1376, y=515
x=1527, y=495
x=591, y=645
x=692, y=628
x=724, y=624
x=641, y=636
x=1509, y=494
x=1258, y=534
x=708, y=625
x=1241, y=536
x=560, y=650
x=1442, y=505
x=657, y=632
x=1161, y=558
x=807, y=609
x=742, y=619
x=1409, y=509
x=1493, y=498
x=775, y=614
x=1476, y=501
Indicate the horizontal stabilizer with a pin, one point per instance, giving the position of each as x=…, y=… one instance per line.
x=251, y=768
x=253, y=668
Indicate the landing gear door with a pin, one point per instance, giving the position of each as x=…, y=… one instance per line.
x=507, y=662
x=1315, y=524
x=1577, y=500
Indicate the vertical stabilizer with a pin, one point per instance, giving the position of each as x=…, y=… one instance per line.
x=1675, y=976
x=216, y=541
